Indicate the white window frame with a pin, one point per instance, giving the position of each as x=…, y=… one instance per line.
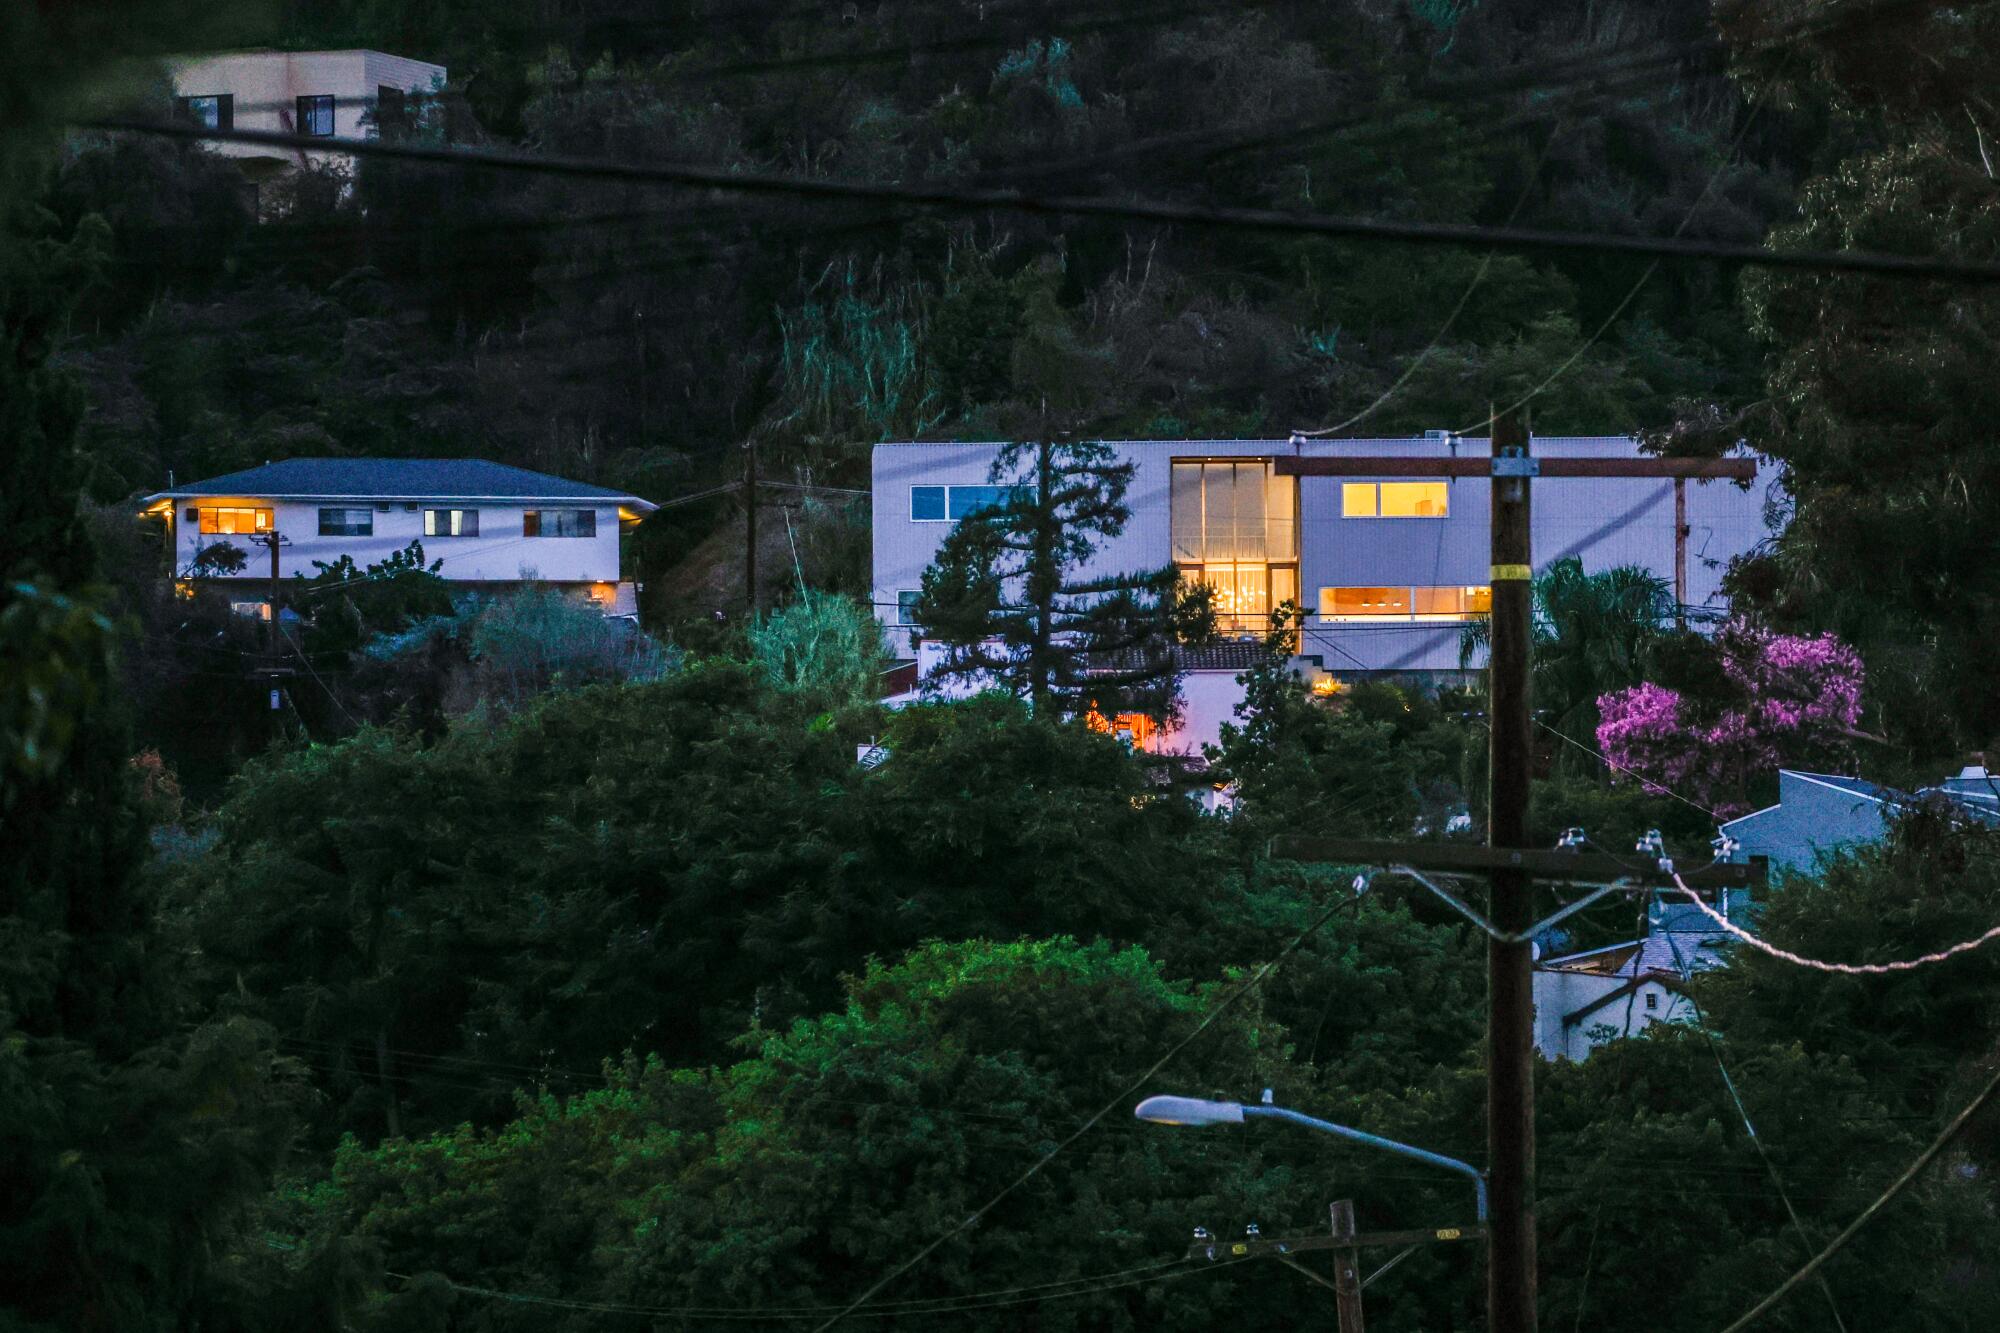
x=948, y=488
x=1375, y=489
x=438, y=522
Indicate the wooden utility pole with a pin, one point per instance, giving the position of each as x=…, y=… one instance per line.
x=1510, y=1009
x=1680, y=551
x=1346, y=1269
x=750, y=526
x=1509, y=864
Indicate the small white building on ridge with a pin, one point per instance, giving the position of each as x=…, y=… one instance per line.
x=318, y=94
x=491, y=525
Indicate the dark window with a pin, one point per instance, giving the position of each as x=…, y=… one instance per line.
x=948, y=504
x=559, y=523
x=346, y=522
x=969, y=500
x=392, y=111
x=216, y=111
x=316, y=116
x=1652, y=1000
x=451, y=523
x=906, y=606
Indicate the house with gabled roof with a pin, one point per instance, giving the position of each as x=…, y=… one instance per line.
x=1585, y=999
x=486, y=525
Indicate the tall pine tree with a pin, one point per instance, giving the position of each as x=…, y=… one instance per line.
x=1009, y=599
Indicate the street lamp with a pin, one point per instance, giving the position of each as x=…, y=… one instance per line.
x=1195, y=1111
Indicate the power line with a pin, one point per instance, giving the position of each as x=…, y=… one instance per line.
x=1845, y=969
x=1902, y=1182
x=1117, y=1101
x=1007, y=1296
x=1686, y=968
x=1272, y=221
x=1649, y=783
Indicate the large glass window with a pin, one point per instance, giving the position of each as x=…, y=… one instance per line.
x=346, y=522
x=225, y=521
x=1236, y=528
x=451, y=523
x=948, y=504
x=1395, y=499
x=1449, y=602
x=559, y=523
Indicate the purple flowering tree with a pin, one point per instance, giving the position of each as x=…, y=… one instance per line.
x=1787, y=699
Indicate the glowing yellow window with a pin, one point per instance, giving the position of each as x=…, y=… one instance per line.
x=1357, y=499
x=1454, y=602
x=1354, y=603
x=1413, y=499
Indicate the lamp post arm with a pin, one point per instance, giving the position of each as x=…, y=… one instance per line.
x=1377, y=1141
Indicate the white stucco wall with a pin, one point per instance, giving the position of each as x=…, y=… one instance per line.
x=268, y=84
x=500, y=553
x=1208, y=699
x=1558, y=993
x=1603, y=522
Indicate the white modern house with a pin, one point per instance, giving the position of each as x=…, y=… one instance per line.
x=320, y=94
x=1388, y=569
x=491, y=526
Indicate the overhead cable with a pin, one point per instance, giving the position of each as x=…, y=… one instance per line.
x=1271, y=221
x=1729, y=927
x=1902, y=1182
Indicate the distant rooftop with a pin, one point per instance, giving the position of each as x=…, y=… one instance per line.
x=395, y=479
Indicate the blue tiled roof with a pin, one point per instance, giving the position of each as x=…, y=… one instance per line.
x=394, y=478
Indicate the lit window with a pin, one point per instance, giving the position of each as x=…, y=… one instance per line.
x=1235, y=528
x=1364, y=603
x=906, y=606
x=316, y=116
x=1454, y=603
x=559, y=523
x=346, y=523
x=451, y=523
x=1394, y=499
x=1441, y=603
x=214, y=521
x=1414, y=499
